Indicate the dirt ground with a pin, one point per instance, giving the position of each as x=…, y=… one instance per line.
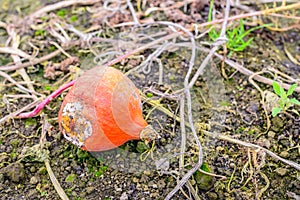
x=224, y=102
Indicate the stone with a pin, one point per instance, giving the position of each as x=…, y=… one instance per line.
x=135, y=180
x=271, y=134
x=15, y=172
x=277, y=124
x=124, y=196
x=281, y=171
x=33, y=180
x=161, y=184
x=284, y=154
x=89, y=190
x=212, y=195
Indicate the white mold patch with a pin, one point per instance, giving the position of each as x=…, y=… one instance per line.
x=76, y=128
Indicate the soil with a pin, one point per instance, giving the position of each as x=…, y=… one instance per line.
x=229, y=104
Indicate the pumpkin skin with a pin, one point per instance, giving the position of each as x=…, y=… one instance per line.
x=102, y=111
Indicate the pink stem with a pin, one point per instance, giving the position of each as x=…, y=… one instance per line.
x=46, y=101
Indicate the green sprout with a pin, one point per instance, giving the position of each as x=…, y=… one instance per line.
x=70, y=178
x=284, y=102
x=236, y=35
x=61, y=12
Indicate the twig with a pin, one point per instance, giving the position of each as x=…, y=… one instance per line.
x=14, y=114
x=15, y=41
x=46, y=101
x=183, y=134
x=135, y=19
x=9, y=78
x=263, y=12
x=248, y=72
x=61, y=4
x=189, y=111
x=34, y=61
x=11, y=50
x=252, y=146
x=61, y=49
x=142, y=48
x=262, y=97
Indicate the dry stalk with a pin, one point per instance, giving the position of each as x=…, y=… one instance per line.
x=246, y=71
x=262, y=97
x=15, y=51
x=22, y=88
x=252, y=146
x=60, y=5
x=257, y=13
x=135, y=19
x=220, y=41
x=33, y=61
x=16, y=113
x=15, y=41
x=220, y=136
x=55, y=182
x=43, y=139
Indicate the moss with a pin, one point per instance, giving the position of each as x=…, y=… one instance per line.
x=141, y=147
x=42, y=171
x=204, y=181
x=70, y=178
x=14, y=143
x=30, y=122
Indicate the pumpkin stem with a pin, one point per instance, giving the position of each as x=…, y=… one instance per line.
x=148, y=134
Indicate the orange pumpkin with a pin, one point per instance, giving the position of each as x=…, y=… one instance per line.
x=103, y=111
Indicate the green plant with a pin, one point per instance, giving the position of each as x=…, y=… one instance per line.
x=98, y=172
x=61, y=12
x=70, y=178
x=235, y=35
x=40, y=32
x=284, y=102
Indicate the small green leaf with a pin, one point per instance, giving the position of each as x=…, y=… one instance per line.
x=73, y=18
x=276, y=111
x=281, y=103
x=211, y=7
x=70, y=178
x=48, y=87
x=149, y=94
x=98, y=173
x=292, y=88
x=205, y=167
x=295, y=101
x=61, y=12
x=283, y=94
x=276, y=88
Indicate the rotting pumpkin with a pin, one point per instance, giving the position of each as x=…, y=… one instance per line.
x=103, y=111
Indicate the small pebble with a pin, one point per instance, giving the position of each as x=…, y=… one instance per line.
x=284, y=154
x=271, y=134
x=124, y=196
x=33, y=180
x=281, y=171
x=89, y=190
x=135, y=180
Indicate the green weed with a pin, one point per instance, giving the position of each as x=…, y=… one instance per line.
x=235, y=35
x=284, y=102
x=70, y=178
